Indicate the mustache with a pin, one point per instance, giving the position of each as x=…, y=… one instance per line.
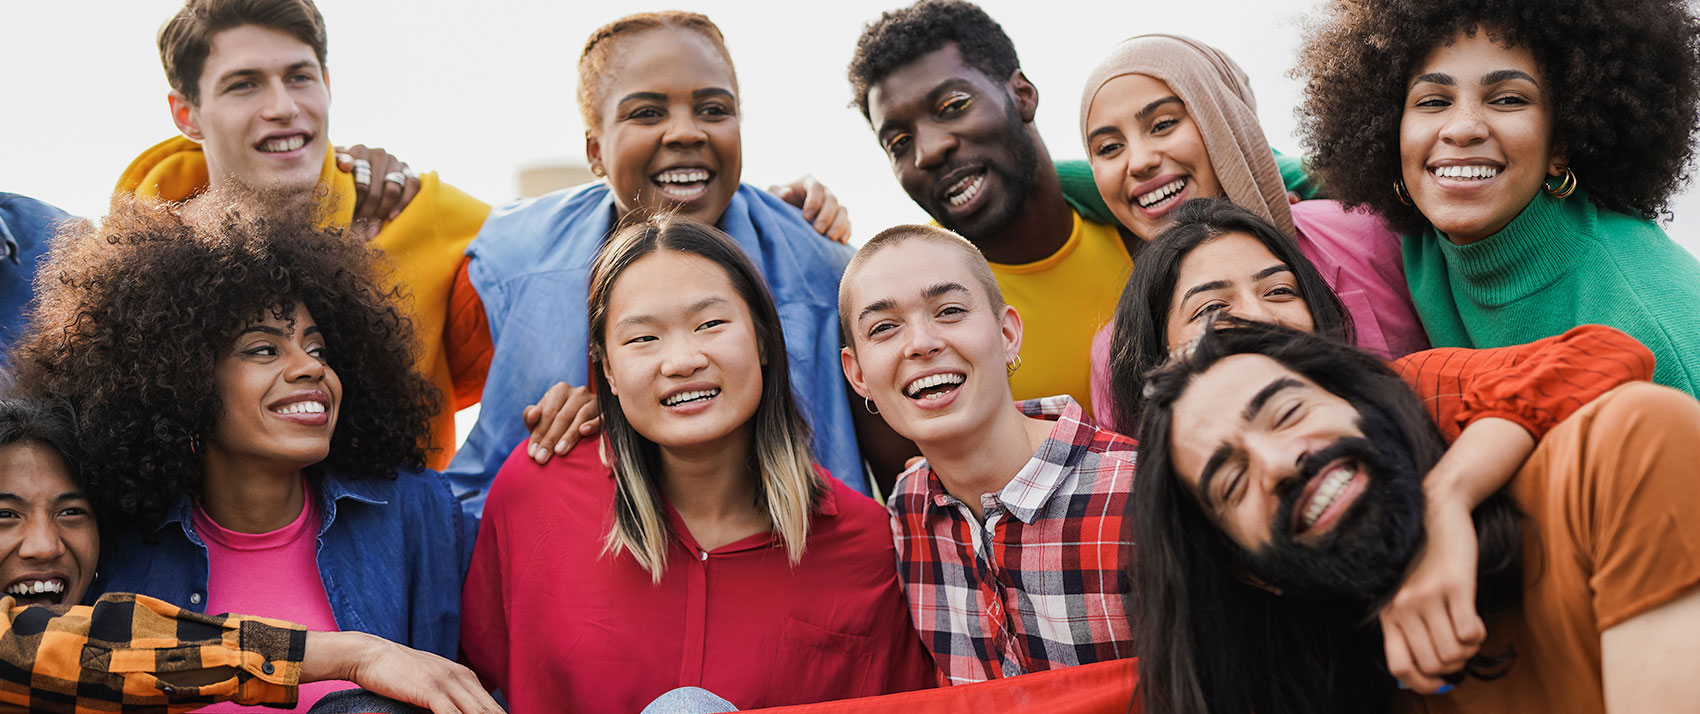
x=1351, y=447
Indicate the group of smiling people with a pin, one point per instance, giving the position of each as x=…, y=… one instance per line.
x=1410, y=422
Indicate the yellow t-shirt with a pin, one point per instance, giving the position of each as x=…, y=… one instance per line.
x=1063, y=300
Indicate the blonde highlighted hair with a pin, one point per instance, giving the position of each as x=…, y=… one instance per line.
x=788, y=484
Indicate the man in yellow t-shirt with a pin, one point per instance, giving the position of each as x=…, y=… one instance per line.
x=942, y=87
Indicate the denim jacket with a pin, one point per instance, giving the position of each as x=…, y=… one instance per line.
x=531, y=267
x=391, y=555
x=25, y=227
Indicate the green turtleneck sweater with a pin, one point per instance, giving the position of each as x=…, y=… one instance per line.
x=1559, y=264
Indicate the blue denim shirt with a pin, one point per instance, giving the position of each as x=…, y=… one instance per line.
x=391, y=555
x=531, y=267
x=25, y=227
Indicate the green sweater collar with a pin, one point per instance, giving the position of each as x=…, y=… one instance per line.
x=1541, y=245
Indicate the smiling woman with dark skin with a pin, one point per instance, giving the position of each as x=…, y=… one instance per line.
x=250, y=391
x=661, y=107
x=1524, y=152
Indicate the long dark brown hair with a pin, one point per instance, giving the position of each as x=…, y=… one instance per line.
x=1210, y=641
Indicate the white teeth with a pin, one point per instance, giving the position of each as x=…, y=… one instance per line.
x=965, y=190
x=1333, y=484
x=283, y=144
x=1466, y=172
x=36, y=587
x=301, y=408
x=683, y=397
x=682, y=176
x=935, y=380
x=1166, y=190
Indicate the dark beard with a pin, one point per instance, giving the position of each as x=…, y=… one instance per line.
x=1364, y=556
x=1016, y=170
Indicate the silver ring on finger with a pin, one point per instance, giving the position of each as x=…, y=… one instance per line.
x=396, y=177
x=362, y=171
x=409, y=172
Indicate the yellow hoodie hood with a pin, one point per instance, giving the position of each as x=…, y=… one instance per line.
x=426, y=245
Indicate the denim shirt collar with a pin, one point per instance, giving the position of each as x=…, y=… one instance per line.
x=330, y=489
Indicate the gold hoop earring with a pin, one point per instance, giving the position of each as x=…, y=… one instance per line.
x=1402, y=193
x=1013, y=364
x=597, y=171
x=868, y=404
x=1566, y=185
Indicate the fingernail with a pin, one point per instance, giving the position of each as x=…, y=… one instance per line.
x=561, y=447
x=1443, y=689
x=531, y=450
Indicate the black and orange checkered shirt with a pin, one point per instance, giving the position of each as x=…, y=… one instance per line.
x=133, y=653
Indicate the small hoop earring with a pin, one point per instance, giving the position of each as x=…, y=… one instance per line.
x=868, y=404
x=597, y=170
x=1013, y=364
x=1566, y=185
x=1402, y=193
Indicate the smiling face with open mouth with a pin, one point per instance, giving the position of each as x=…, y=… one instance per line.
x=930, y=347
x=1147, y=154
x=669, y=132
x=280, y=395
x=1475, y=139
x=47, y=528
x=959, y=142
x=1320, y=496
x=263, y=110
x=684, y=362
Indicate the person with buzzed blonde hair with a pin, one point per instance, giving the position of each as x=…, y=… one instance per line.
x=1010, y=530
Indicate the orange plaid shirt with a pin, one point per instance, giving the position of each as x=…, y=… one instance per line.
x=130, y=653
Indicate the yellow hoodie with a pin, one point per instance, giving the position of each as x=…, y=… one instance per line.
x=426, y=245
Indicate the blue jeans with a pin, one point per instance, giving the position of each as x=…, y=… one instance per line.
x=689, y=700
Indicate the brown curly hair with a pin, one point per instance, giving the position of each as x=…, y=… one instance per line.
x=1623, y=77
x=133, y=317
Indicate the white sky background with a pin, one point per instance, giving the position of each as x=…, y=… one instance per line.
x=478, y=90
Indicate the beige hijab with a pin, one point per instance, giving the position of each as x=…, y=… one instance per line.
x=1218, y=97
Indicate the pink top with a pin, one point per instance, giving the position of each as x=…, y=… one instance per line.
x=1359, y=258
x=273, y=574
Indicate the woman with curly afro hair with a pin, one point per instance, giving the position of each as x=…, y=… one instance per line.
x=1524, y=149
x=247, y=396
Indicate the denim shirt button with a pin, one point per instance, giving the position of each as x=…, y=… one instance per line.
x=194, y=598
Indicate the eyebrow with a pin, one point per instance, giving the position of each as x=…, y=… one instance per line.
x=1502, y=75
x=1211, y=466
x=1271, y=270
x=1265, y=394
x=931, y=97
x=1205, y=287
x=269, y=330
x=932, y=292
x=711, y=92
x=695, y=307
x=647, y=96
x=1154, y=106
x=61, y=498
x=252, y=72
x=1434, y=78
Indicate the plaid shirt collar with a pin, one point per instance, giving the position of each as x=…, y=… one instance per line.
x=1025, y=495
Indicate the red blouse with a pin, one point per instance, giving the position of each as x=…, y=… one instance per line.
x=558, y=626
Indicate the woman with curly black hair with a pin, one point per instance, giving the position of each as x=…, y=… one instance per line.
x=247, y=396
x=1524, y=148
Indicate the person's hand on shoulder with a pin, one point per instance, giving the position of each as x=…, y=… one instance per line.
x=564, y=415
x=383, y=184
x=820, y=207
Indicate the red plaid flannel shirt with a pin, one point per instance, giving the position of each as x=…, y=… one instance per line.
x=1040, y=583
